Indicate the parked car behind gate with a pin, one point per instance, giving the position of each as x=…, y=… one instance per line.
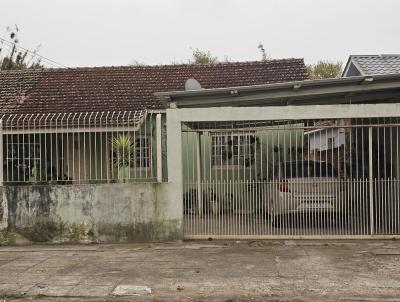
x=303, y=186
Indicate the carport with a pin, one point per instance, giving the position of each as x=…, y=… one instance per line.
x=309, y=159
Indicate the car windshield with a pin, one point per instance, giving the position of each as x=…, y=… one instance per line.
x=308, y=169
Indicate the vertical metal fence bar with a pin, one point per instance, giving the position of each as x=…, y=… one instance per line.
x=371, y=186
x=397, y=179
x=199, y=177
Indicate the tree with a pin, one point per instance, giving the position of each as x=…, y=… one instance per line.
x=264, y=55
x=325, y=70
x=137, y=63
x=202, y=57
x=17, y=58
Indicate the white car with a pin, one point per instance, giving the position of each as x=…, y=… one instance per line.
x=303, y=186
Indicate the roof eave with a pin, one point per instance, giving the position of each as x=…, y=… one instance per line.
x=348, y=64
x=279, y=91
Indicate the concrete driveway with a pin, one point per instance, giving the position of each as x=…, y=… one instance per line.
x=204, y=271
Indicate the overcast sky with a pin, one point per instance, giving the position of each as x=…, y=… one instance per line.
x=117, y=32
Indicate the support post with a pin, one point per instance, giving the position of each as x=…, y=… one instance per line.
x=1, y=155
x=159, y=147
x=108, y=161
x=371, y=182
x=173, y=192
x=199, y=175
x=3, y=201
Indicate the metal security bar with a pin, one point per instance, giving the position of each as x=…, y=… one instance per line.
x=81, y=148
x=334, y=178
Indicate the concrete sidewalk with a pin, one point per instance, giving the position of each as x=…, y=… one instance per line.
x=205, y=271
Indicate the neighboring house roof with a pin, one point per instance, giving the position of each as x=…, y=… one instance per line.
x=372, y=65
x=128, y=88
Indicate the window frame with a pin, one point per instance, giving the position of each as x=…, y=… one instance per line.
x=141, y=148
x=236, y=162
x=21, y=159
x=138, y=150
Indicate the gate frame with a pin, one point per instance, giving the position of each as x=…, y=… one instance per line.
x=177, y=116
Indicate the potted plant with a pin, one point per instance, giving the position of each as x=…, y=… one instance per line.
x=123, y=152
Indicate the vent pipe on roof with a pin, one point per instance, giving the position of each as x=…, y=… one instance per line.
x=192, y=84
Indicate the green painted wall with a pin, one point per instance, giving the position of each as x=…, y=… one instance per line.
x=236, y=186
x=82, y=157
x=264, y=161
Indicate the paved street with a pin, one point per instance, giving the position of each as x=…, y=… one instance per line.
x=205, y=271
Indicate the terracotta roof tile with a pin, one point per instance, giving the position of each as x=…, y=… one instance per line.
x=128, y=88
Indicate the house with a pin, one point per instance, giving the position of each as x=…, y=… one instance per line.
x=363, y=65
x=327, y=143
x=74, y=140
x=323, y=141
x=229, y=151
x=360, y=65
x=108, y=95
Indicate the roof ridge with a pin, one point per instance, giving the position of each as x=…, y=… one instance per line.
x=234, y=63
x=19, y=71
x=376, y=56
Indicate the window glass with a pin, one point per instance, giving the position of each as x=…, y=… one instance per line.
x=233, y=149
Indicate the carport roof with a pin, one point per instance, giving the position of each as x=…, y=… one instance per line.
x=351, y=90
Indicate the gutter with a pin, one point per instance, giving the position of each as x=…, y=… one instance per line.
x=291, y=86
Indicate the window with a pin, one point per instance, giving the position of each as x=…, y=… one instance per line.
x=131, y=151
x=233, y=149
x=22, y=161
x=142, y=152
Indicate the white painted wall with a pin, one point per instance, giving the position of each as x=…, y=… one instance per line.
x=326, y=139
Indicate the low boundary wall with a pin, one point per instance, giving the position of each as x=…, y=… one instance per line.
x=91, y=213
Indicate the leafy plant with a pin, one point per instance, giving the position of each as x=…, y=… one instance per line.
x=203, y=57
x=325, y=70
x=124, y=150
x=17, y=57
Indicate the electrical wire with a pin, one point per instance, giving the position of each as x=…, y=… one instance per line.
x=49, y=61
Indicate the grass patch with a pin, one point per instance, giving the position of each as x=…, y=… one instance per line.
x=7, y=238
